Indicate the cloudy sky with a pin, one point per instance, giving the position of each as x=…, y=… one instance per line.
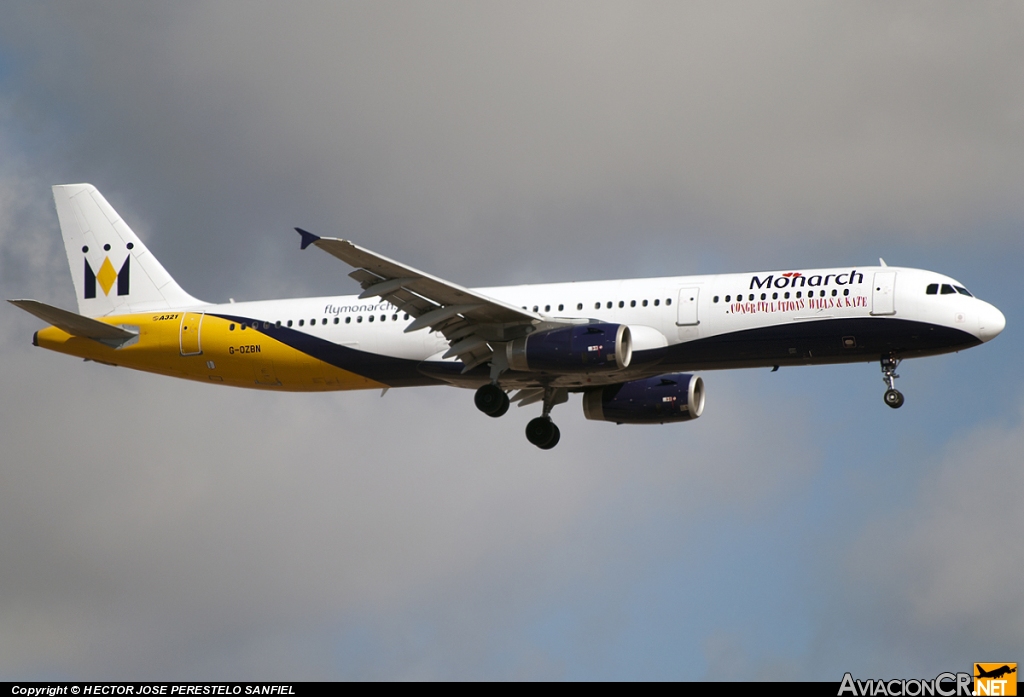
x=151, y=529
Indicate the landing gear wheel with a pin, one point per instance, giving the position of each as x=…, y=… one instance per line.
x=554, y=439
x=543, y=433
x=491, y=400
x=894, y=398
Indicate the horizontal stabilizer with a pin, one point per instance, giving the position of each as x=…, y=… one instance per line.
x=75, y=324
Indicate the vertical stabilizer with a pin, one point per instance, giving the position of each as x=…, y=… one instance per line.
x=113, y=271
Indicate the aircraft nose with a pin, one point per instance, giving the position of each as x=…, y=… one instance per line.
x=991, y=323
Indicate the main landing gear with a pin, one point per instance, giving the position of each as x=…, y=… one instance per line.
x=492, y=400
x=542, y=432
x=892, y=397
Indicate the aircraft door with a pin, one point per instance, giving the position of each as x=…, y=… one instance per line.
x=189, y=340
x=883, y=293
x=687, y=311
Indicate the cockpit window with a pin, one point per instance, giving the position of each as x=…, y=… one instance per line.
x=963, y=291
x=933, y=289
x=947, y=289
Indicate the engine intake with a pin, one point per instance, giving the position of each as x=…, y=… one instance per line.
x=583, y=348
x=662, y=399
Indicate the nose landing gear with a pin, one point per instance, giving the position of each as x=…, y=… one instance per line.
x=892, y=397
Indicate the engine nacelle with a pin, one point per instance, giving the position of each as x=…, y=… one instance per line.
x=662, y=399
x=582, y=348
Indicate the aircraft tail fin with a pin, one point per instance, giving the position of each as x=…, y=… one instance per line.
x=113, y=271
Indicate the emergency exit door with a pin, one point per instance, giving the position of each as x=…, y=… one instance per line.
x=686, y=313
x=191, y=324
x=883, y=293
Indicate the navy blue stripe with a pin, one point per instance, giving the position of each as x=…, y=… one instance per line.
x=394, y=372
x=818, y=342
x=794, y=343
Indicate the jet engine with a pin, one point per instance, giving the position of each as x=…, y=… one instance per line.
x=582, y=348
x=661, y=399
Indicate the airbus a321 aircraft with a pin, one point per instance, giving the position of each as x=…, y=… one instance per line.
x=628, y=346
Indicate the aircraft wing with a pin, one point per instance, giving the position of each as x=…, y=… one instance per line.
x=469, y=320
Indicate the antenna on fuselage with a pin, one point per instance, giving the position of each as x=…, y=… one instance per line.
x=881, y=262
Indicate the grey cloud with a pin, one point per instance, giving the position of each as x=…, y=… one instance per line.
x=160, y=529
x=481, y=137
x=935, y=583
x=149, y=523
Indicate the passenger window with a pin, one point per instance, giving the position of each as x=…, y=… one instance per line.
x=609, y=304
x=597, y=306
x=799, y=293
x=336, y=320
x=786, y=296
x=728, y=298
x=632, y=303
x=645, y=303
x=715, y=299
x=348, y=320
x=359, y=319
x=846, y=291
x=383, y=318
x=277, y=323
x=933, y=289
x=370, y=318
x=579, y=306
x=668, y=301
x=289, y=323
x=561, y=307
x=302, y=322
x=547, y=308
x=834, y=292
x=763, y=296
x=775, y=296
x=751, y=297
x=407, y=315
x=536, y=308
x=948, y=289
x=231, y=327
x=657, y=301
x=394, y=318
x=323, y=321
x=622, y=303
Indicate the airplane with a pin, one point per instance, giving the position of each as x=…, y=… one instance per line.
x=630, y=347
x=996, y=673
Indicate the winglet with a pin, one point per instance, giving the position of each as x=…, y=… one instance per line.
x=308, y=238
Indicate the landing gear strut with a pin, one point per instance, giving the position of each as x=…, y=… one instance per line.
x=491, y=400
x=542, y=431
x=893, y=397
